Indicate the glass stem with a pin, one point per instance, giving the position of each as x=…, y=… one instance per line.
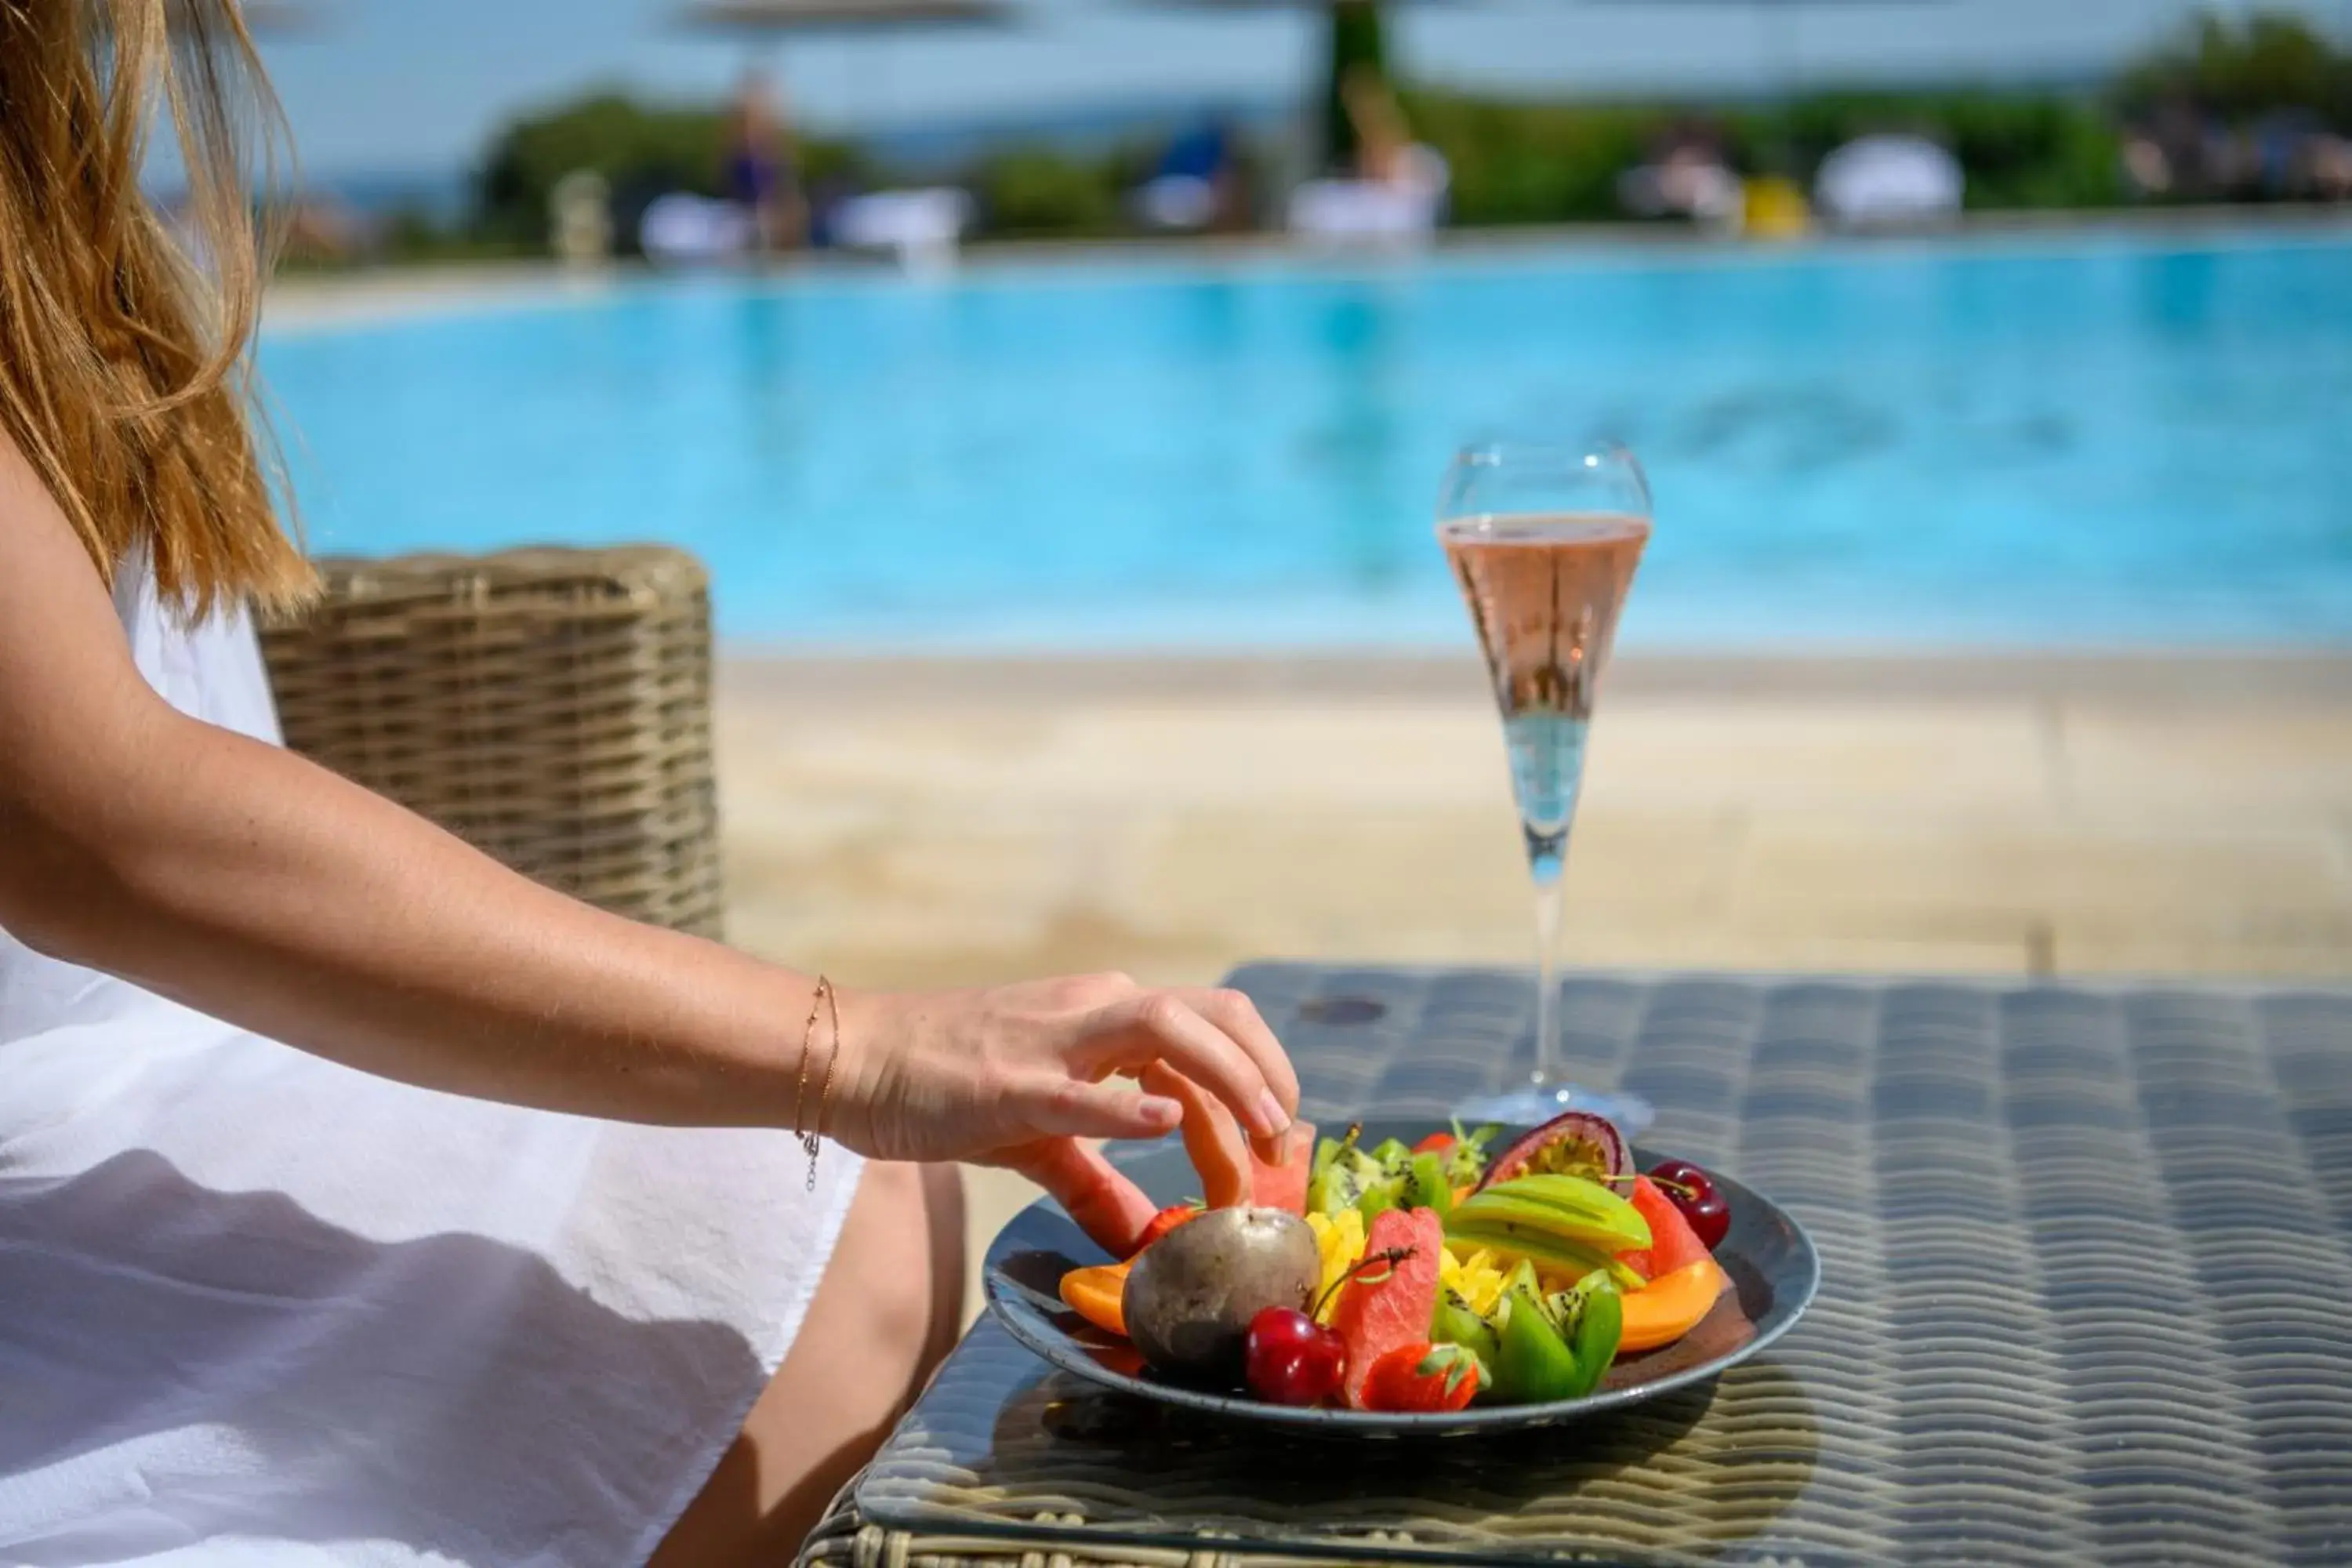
x=1548, y=878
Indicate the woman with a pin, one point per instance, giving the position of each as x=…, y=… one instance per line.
x=359, y=1199
x=760, y=173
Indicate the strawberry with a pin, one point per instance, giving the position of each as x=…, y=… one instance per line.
x=1423, y=1378
x=1166, y=1220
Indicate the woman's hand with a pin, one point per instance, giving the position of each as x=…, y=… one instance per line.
x=1019, y=1075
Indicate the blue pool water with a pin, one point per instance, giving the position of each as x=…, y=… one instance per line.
x=2088, y=441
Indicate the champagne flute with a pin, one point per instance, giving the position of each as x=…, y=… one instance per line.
x=1543, y=541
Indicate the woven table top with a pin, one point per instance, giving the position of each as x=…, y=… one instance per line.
x=2087, y=1297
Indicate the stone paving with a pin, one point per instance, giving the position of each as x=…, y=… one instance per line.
x=914, y=825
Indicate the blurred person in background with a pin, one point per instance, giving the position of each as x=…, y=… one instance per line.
x=763, y=177
x=360, y=1199
x=1383, y=140
x=1397, y=193
x=1686, y=176
x=1197, y=185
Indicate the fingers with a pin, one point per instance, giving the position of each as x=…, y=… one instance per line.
x=1073, y=1108
x=1159, y=1025
x=1108, y=1207
x=1237, y=1015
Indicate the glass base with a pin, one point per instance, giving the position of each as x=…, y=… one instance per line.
x=1532, y=1104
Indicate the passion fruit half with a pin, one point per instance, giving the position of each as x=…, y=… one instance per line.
x=1575, y=1143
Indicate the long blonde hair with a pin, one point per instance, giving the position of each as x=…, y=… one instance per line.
x=125, y=353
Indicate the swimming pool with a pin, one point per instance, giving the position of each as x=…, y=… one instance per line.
x=2091, y=440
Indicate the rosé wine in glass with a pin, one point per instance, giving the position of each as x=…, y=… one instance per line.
x=1543, y=543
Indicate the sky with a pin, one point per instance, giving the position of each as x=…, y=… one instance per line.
x=418, y=86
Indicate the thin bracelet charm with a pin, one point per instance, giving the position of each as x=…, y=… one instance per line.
x=810, y=1139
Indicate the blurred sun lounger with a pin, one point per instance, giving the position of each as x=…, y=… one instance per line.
x=1404, y=212
x=922, y=228
x=1889, y=181
x=680, y=229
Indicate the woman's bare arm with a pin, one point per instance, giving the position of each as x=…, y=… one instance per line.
x=262, y=890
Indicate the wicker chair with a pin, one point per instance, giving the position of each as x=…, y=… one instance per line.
x=552, y=707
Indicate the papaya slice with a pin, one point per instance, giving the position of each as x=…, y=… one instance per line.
x=1094, y=1295
x=1670, y=1306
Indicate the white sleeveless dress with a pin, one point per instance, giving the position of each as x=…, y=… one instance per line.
x=257, y=1309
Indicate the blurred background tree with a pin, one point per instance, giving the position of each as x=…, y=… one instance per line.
x=2262, y=64
x=1533, y=163
x=1356, y=43
x=1037, y=193
x=641, y=150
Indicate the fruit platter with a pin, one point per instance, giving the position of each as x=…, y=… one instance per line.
x=1393, y=1276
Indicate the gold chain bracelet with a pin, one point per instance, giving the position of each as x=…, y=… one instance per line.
x=833, y=1060
x=808, y=1043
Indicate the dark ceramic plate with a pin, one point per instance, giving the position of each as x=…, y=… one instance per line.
x=1773, y=1267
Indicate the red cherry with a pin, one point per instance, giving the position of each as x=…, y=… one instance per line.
x=1291, y=1359
x=1692, y=1192
x=1680, y=1180
x=1710, y=1219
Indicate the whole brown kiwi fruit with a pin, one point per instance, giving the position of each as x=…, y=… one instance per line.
x=1190, y=1295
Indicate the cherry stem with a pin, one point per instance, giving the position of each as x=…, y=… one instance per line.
x=1388, y=1256
x=1674, y=1188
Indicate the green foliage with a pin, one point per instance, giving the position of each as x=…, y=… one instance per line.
x=1515, y=163
x=1356, y=44
x=642, y=149
x=2034, y=151
x=1036, y=193
x=2267, y=62
x=638, y=148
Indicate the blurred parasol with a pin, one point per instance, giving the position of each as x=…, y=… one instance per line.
x=261, y=17
x=771, y=21
x=279, y=17
x=774, y=18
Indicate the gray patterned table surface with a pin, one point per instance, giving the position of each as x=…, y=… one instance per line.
x=2087, y=1297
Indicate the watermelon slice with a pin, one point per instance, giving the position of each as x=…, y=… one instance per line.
x=1283, y=1184
x=1387, y=1308
x=1673, y=1243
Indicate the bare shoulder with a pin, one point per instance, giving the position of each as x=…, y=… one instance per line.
x=65, y=666
x=32, y=527
x=43, y=561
